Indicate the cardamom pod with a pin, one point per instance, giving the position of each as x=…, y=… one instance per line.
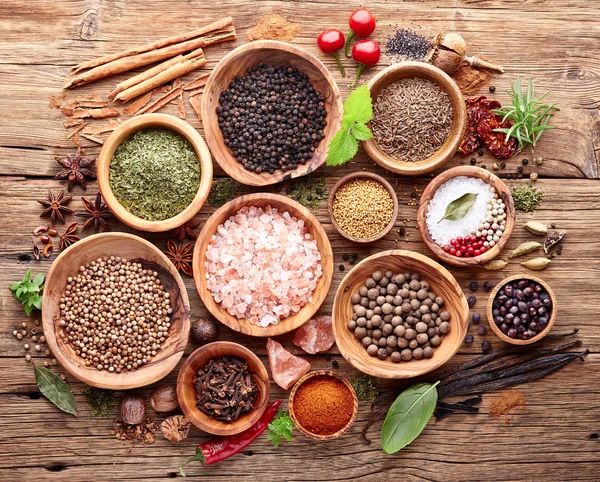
x=536, y=228
x=525, y=248
x=495, y=265
x=537, y=263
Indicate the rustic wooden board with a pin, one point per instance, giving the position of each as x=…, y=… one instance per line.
x=554, y=438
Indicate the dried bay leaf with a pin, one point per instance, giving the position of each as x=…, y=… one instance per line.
x=459, y=208
x=495, y=265
x=55, y=389
x=525, y=248
x=537, y=263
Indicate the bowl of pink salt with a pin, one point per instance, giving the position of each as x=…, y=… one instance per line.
x=263, y=264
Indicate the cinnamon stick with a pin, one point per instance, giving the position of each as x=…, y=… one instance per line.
x=157, y=44
x=128, y=63
x=96, y=130
x=89, y=137
x=197, y=82
x=132, y=108
x=161, y=101
x=96, y=113
x=76, y=130
x=196, y=105
x=181, y=107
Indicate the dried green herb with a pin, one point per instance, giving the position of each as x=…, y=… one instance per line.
x=29, y=292
x=365, y=388
x=308, y=191
x=155, y=174
x=459, y=208
x=102, y=401
x=527, y=198
x=55, y=389
x=223, y=191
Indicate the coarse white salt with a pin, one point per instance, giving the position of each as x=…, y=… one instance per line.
x=262, y=266
x=442, y=232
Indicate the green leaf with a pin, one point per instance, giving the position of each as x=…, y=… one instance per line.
x=342, y=148
x=358, y=105
x=39, y=279
x=459, y=208
x=347, y=122
x=408, y=416
x=280, y=426
x=26, y=276
x=55, y=389
x=361, y=132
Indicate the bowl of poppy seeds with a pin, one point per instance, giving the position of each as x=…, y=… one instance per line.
x=419, y=118
x=270, y=109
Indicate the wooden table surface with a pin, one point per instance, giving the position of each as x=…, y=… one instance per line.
x=554, y=438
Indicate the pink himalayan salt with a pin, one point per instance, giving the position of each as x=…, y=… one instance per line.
x=286, y=368
x=315, y=335
x=262, y=266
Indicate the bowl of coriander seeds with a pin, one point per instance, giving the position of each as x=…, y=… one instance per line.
x=115, y=311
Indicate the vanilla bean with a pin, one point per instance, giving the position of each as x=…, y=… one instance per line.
x=363, y=434
x=466, y=406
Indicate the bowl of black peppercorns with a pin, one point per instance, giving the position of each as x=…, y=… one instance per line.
x=521, y=309
x=269, y=110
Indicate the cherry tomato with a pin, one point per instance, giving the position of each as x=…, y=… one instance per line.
x=330, y=41
x=366, y=53
x=362, y=23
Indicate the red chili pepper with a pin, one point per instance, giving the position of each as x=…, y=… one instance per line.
x=330, y=41
x=366, y=53
x=221, y=448
x=362, y=23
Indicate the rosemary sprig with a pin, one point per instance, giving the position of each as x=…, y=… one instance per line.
x=529, y=116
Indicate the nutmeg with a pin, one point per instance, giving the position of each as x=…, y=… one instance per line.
x=175, y=428
x=164, y=399
x=132, y=410
x=204, y=331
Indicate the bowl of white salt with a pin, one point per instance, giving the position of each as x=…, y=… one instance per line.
x=466, y=216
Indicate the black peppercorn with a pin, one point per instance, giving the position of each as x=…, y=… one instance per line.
x=341, y=267
x=473, y=161
x=520, y=169
x=480, y=152
x=335, y=364
x=473, y=285
x=487, y=286
x=345, y=256
x=502, y=165
x=492, y=89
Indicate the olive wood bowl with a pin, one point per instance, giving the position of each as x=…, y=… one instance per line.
x=187, y=395
x=442, y=283
x=132, y=248
x=363, y=175
x=404, y=70
x=154, y=121
x=322, y=373
x=282, y=203
x=490, y=307
x=270, y=52
x=505, y=196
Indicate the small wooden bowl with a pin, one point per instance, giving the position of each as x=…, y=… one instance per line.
x=282, y=203
x=505, y=196
x=236, y=63
x=322, y=373
x=490, y=307
x=132, y=248
x=404, y=70
x=442, y=283
x=363, y=175
x=187, y=395
x=154, y=121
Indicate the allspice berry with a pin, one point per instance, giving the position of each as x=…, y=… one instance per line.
x=164, y=399
x=132, y=410
x=204, y=331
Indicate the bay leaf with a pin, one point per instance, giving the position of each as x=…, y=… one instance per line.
x=408, y=416
x=55, y=389
x=459, y=208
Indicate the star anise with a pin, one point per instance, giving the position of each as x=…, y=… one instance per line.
x=180, y=256
x=56, y=206
x=97, y=213
x=68, y=237
x=75, y=169
x=186, y=229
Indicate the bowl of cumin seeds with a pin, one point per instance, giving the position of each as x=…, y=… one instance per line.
x=419, y=118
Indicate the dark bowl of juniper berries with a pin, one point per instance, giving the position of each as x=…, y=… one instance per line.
x=269, y=111
x=223, y=388
x=521, y=309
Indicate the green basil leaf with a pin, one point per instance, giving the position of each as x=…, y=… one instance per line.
x=408, y=416
x=55, y=389
x=38, y=280
x=459, y=208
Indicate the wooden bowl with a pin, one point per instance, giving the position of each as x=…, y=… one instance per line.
x=441, y=282
x=505, y=196
x=363, y=175
x=154, y=121
x=132, y=248
x=282, y=203
x=490, y=307
x=404, y=70
x=322, y=373
x=187, y=395
x=236, y=63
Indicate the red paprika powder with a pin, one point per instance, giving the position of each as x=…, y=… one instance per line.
x=323, y=405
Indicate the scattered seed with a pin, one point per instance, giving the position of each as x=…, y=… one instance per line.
x=492, y=89
x=486, y=346
x=487, y=286
x=471, y=300
x=476, y=318
x=469, y=339
x=473, y=285
x=482, y=330
x=534, y=176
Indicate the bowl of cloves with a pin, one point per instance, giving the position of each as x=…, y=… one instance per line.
x=223, y=388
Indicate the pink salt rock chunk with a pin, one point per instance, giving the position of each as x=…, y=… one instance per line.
x=286, y=368
x=315, y=335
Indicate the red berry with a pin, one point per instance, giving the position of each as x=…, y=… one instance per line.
x=483, y=249
x=459, y=253
x=473, y=239
x=453, y=251
x=459, y=239
x=453, y=242
x=467, y=255
x=476, y=252
x=470, y=250
x=446, y=248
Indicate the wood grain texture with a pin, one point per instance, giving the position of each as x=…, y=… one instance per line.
x=556, y=437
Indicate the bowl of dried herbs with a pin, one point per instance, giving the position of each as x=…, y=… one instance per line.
x=155, y=172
